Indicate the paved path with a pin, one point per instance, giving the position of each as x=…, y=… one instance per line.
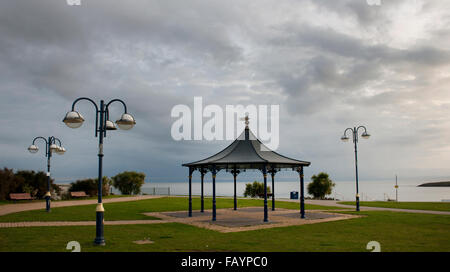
x=249, y=218
x=13, y=208
x=78, y=223
x=364, y=208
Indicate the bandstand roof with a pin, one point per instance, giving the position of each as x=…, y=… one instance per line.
x=247, y=152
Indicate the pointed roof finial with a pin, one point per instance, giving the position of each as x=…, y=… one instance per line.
x=246, y=119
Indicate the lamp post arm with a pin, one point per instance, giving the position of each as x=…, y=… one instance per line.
x=365, y=129
x=56, y=139
x=353, y=133
x=107, y=109
x=84, y=98
x=46, y=143
x=117, y=100
x=347, y=129
x=96, y=111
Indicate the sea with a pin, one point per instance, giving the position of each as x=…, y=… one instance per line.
x=343, y=190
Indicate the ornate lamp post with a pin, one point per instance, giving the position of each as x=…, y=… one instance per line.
x=345, y=138
x=50, y=146
x=74, y=119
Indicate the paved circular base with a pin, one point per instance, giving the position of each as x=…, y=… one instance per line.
x=248, y=218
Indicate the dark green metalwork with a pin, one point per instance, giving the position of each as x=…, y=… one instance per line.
x=235, y=172
x=191, y=170
x=102, y=115
x=202, y=198
x=302, y=192
x=246, y=152
x=272, y=172
x=214, y=173
x=266, y=213
x=48, y=154
x=354, y=132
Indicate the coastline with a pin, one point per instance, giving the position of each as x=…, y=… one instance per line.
x=435, y=184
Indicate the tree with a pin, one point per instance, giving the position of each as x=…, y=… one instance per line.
x=255, y=189
x=90, y=186
x=129, y=182
x=320, y=186
x=25, y=181
x=9, y=183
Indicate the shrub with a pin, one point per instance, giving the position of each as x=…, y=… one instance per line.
x=89, y=186
x=9, y=183
x=25, y=181
x=255, y=189
x=320, y=186
x=129, y=182
x=35, y=183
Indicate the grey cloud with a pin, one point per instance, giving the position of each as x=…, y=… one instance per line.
x=156, y=54
x=360, y=10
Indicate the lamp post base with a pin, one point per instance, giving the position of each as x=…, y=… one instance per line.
x=47, y=203
x=357, y=203
x=99, y=239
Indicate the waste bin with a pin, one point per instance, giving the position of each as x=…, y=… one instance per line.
x=294, y=195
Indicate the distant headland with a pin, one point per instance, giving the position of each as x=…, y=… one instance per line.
x=435, y=184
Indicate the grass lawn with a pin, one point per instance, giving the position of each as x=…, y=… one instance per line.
x=132, y=210
x=93, y=197
x=432, y=206
x=395, y=231
x=4, y=202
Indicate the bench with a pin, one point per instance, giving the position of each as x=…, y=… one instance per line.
x=78, y=194
x=20, y=196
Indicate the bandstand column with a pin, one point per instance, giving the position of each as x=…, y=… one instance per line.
x=191, y=170
x=266, y=214
x=272, y=173
x=214, y=172
x=202, y=200
x=235, y=172
x=302, y=192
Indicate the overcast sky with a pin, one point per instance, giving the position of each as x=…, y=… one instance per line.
x=327, y=64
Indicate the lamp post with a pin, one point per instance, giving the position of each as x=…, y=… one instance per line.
x=396, y=189
x=50, y=146
x=345, y=138
x=74, y=119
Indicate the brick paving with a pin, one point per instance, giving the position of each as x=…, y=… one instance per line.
x=20, y=207
x=365, y=208
x=228, y=220
x=249, y=218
